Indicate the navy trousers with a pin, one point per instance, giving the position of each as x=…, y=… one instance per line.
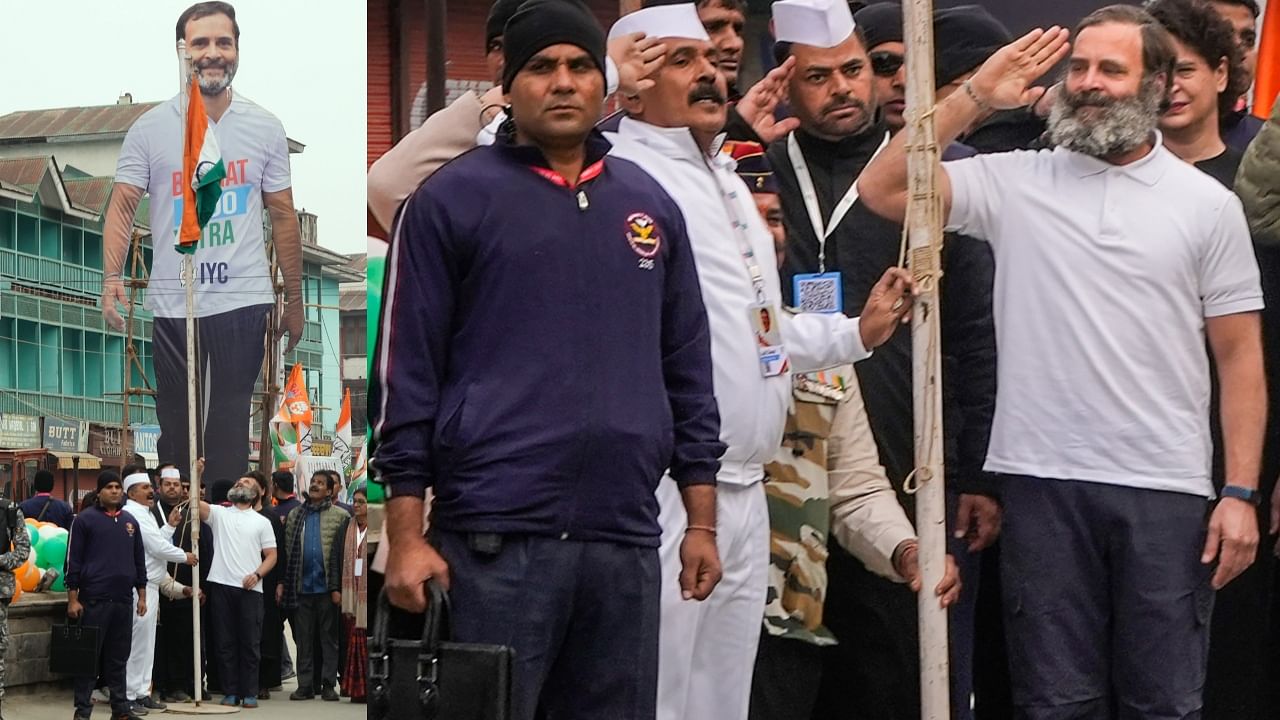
x=237, y=644
x=114, y=621
x=229, y=350
x=581, y=616
x=1106, y=602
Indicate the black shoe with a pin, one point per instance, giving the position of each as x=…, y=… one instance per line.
x=263, y=694
x=328, y=694
x=302, y=694
x=137, y=708
x=179, y=696
x=146, y=702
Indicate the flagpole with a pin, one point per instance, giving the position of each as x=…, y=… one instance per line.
x=193, y=506
x=924, y=232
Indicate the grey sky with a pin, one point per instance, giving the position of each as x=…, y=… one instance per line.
x=303, y=61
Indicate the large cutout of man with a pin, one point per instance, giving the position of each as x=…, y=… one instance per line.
x=234, y=293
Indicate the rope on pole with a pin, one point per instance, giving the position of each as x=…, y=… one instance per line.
x=924, y=235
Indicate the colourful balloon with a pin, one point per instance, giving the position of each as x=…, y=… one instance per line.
x=28, y=575
x=17, y=593
x=58, y=585
x=52, y=552
x=34, y=532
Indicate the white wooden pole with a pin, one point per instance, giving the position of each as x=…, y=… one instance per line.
x=924, y=232
x=193, y=504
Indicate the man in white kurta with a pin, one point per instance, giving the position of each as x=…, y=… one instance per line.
x=158, y=550
x=707, y=649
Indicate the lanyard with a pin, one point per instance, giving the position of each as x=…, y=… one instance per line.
x=730, y=200
x=811, y=197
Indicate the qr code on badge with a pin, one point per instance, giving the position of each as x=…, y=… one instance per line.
x=818, y=294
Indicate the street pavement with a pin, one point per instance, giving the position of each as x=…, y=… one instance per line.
x=57, y=706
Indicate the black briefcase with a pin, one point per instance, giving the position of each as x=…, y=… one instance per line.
x=74, y=649
x=431, y=678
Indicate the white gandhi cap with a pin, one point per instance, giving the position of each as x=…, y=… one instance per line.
x=817, y=23
x=136, y=479
x=170, y=472
x=663, y=21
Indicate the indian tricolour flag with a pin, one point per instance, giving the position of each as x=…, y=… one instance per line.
x=202, y=169
x=342, y=436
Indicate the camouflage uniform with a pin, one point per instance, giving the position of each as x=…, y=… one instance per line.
x=827, y=478
x=10, y=561
x=800, y=512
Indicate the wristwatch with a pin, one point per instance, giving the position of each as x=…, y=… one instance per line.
x=1249, y=495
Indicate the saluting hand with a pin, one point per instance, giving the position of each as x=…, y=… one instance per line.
x=637, y=58
x=758, y=105
x=1005, y=80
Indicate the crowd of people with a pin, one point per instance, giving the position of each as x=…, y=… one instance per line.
x=265, y=556
x=642, y=395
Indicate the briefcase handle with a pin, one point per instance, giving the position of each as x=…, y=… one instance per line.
x=433, y=629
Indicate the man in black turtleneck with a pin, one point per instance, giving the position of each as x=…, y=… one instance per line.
x=874, y=670
x=174, y=643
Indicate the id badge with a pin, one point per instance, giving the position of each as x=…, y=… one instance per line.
x=818, y=292
x=768, y=336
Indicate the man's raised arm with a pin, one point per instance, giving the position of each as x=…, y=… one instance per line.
x=1003, y=82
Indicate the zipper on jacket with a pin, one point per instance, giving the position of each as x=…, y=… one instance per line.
x=583, y=203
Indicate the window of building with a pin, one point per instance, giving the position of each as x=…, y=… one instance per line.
x=50, y=240
x=50, y=359
x=28, y=235
x=73, y=246
x=8, y=353
x=27, y=338
x=8, y=229
x=92, y=250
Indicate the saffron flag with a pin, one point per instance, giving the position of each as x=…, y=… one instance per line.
x=342, y=436
x=291, y=425
x=202, y=172
x=1267, y=81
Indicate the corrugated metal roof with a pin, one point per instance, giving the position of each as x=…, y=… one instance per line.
x=71, y=121
x=90, y=193
x=25, y=172
x=358, y=262
x=353, y=300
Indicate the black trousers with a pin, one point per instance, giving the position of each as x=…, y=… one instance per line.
x=785, y=683
x=581, y=616
x=174, y=646
x=1106, y=602
x=315, y=632
x=229, y=348
x=114, y=621
x=237, y=614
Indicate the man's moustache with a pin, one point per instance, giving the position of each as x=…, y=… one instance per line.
x=707, y=92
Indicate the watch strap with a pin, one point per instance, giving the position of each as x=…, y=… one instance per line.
x=1251, y=496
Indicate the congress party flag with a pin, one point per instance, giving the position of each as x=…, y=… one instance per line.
x=342, y=436
x=291, y=425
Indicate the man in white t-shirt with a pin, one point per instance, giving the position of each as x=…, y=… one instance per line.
x=234, y=289
x=244, y=551
x=1115, y=263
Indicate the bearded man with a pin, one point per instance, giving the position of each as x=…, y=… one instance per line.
x=1115, y=262
x=244, y=551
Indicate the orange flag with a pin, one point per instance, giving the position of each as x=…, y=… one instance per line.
x=1267, y=80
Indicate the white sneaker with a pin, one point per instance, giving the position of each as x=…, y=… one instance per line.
x=100, y=696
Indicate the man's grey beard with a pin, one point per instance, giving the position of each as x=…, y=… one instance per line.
x=212, y=88
x=1119, y=126
x=242, y=495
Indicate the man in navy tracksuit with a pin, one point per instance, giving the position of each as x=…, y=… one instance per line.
x=105, y=565
x=544, y=357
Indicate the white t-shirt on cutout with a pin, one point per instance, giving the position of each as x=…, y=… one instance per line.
x=231, y=265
